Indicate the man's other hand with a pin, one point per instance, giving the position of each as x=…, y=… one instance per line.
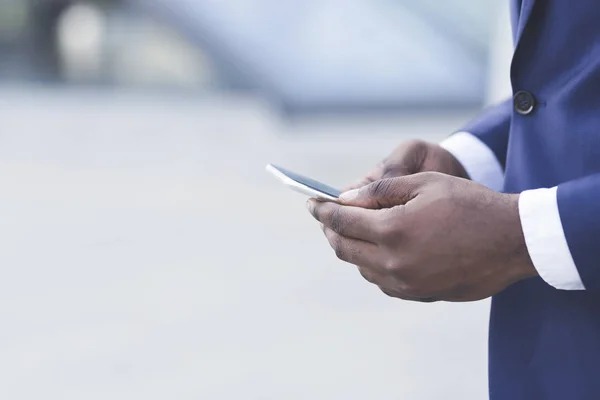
x=413, y=157
x=429, y=237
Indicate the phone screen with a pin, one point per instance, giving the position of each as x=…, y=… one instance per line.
x=311, y=183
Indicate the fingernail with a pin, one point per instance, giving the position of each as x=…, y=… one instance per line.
x=349, y=196
x=310, y=206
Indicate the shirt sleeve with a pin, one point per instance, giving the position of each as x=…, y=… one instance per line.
x=481, y=145
x=492, y=127
x=477, y=158
x=546, y=239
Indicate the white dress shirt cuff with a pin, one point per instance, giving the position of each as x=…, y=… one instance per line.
x=545, y=239
x=477, y=158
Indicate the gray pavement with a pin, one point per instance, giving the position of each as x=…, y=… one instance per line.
x=145, y=254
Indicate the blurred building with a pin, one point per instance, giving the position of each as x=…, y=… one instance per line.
x=308, y=55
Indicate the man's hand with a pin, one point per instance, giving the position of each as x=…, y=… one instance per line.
x=429, y=237
x=413, y=157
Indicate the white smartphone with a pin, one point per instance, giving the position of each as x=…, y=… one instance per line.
x=304, y=185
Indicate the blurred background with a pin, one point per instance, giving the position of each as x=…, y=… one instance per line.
x=146, y=254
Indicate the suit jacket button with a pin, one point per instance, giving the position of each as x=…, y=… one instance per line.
x=524, y=102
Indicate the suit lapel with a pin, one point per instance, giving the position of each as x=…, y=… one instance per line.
x=525, y=12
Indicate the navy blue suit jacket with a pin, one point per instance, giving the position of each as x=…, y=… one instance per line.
x=544, y=342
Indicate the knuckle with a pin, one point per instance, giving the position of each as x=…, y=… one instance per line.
x=391, y=266
x=331, y=236
x=379, y=231
x=399, y=167
x=430, y=176
x=367, y=275
x=415, y=152
x=337, y=220
x=385, y=228
x=339, y=252
x=346, y=252
x=417, y=146
x=380, y=188
x=337, y=244
x=416, y=289
x=380, y=234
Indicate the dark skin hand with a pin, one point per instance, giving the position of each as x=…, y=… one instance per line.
x=429, y=237
x=413, y=157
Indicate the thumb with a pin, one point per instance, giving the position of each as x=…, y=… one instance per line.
x=385, y=193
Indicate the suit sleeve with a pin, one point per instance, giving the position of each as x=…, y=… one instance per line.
x=561, y=226
x=481, y=145
x=579, y=208
x=492, y=127
x=558, y=241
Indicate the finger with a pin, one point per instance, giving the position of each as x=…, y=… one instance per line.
x=399, y=295
x=407, y=164
x=386, y=193
x=358, y=184
x=395, y=171
x=373, y=176
x=370, y=275
x=351, y=222
x=363, y=254
x=408, y=159
x=366, y=256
